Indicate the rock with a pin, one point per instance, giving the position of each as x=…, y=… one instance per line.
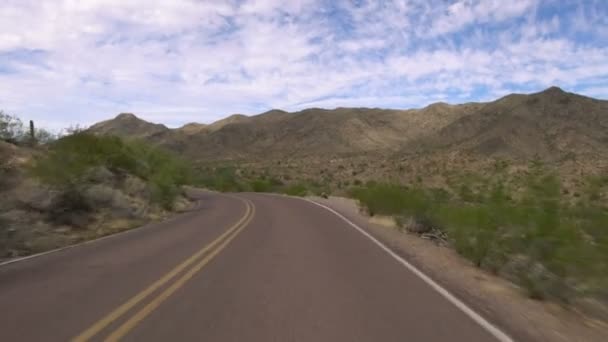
x=537, y=279
x=100, y=195
x=78, y=220
x=134, y=186
x=100, y=175
x=45, y=242
x=182, y=204
x=417, y=226
x=103, y=197
x=71, y=208
x=15, y=216
x=31, y=195
x=11, y=231
x=593, y=307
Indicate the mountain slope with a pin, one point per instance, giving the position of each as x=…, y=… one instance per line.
x=551, y=124
x=128, y=125
x=192, y=128
x=321, y=132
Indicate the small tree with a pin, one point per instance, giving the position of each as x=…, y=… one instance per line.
x=11, y=128
x=42, y=136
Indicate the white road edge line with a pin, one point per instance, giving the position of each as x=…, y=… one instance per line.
x=499, y=334
x=124, y=232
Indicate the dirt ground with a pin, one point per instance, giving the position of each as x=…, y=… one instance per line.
x=498, y=300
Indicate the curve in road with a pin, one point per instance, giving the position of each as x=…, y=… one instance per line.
x=244, y=267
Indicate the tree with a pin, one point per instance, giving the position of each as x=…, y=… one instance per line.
x=42, y=136
x=11, y=128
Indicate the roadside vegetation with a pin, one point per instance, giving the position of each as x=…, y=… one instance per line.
x=531, y=226
x=524, y=229
x=12, y=130
x=232, y=179
x=59, y=190
x=72, y=162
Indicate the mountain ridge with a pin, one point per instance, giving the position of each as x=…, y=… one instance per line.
x=550, y=124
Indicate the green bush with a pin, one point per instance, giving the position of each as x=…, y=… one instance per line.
x=296, y=190
x=382, y=199
x=164, y=189
x=266, y=184
x=70, y=160
x=527, y=232
x=222, y=179
x=11, y=128
x=390, y=199
x=260, y=185
x=318, y=188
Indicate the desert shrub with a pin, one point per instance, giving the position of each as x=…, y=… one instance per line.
x=260, y=185
x=164, y=172
x=381, y=199
x=466, y=193
x=296, y=190
x=71, y=207
x=71, y=159
x=11, y=128
x=528, y=232
x=43, y=137
x=6, y=170
x=164, y=189
x=391, y=199
x=221, y=179
x=266, y=184
x=317, y=188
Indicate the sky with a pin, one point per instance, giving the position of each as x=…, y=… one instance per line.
x=76, y=62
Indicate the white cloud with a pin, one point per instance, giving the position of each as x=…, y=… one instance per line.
x=69, y=61
x=466, y=12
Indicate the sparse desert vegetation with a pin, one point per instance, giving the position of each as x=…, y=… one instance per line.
x=528, y=226
x=80, y=186
x=519, y=200
x=534, y=223
x=525, y=229
x=75, y=160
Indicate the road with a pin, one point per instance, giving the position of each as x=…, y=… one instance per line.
x=246, y=267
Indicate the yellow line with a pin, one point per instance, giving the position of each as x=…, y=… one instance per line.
x=126, y=327
x=121, y=310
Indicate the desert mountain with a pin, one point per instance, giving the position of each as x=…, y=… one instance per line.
x=192, y=128
x=279, y=134
x=551, y=124
x=196, y=128
x=127, y=124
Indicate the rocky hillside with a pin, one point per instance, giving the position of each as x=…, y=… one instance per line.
x=81, y=187
x=552, y=125
x=128, y=125
x=278, y=134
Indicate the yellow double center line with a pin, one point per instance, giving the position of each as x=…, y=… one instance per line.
x=209, y=252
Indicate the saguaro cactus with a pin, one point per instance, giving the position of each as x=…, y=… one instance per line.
x=32, y=132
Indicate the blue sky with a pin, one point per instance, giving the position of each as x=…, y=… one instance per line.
x=67, y=62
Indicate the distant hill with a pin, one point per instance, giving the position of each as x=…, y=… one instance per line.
x=129, y=125
x=551, y=124
x=192, y=128
x=278, y=133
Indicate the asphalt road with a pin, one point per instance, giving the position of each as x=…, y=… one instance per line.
x=247, y=267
